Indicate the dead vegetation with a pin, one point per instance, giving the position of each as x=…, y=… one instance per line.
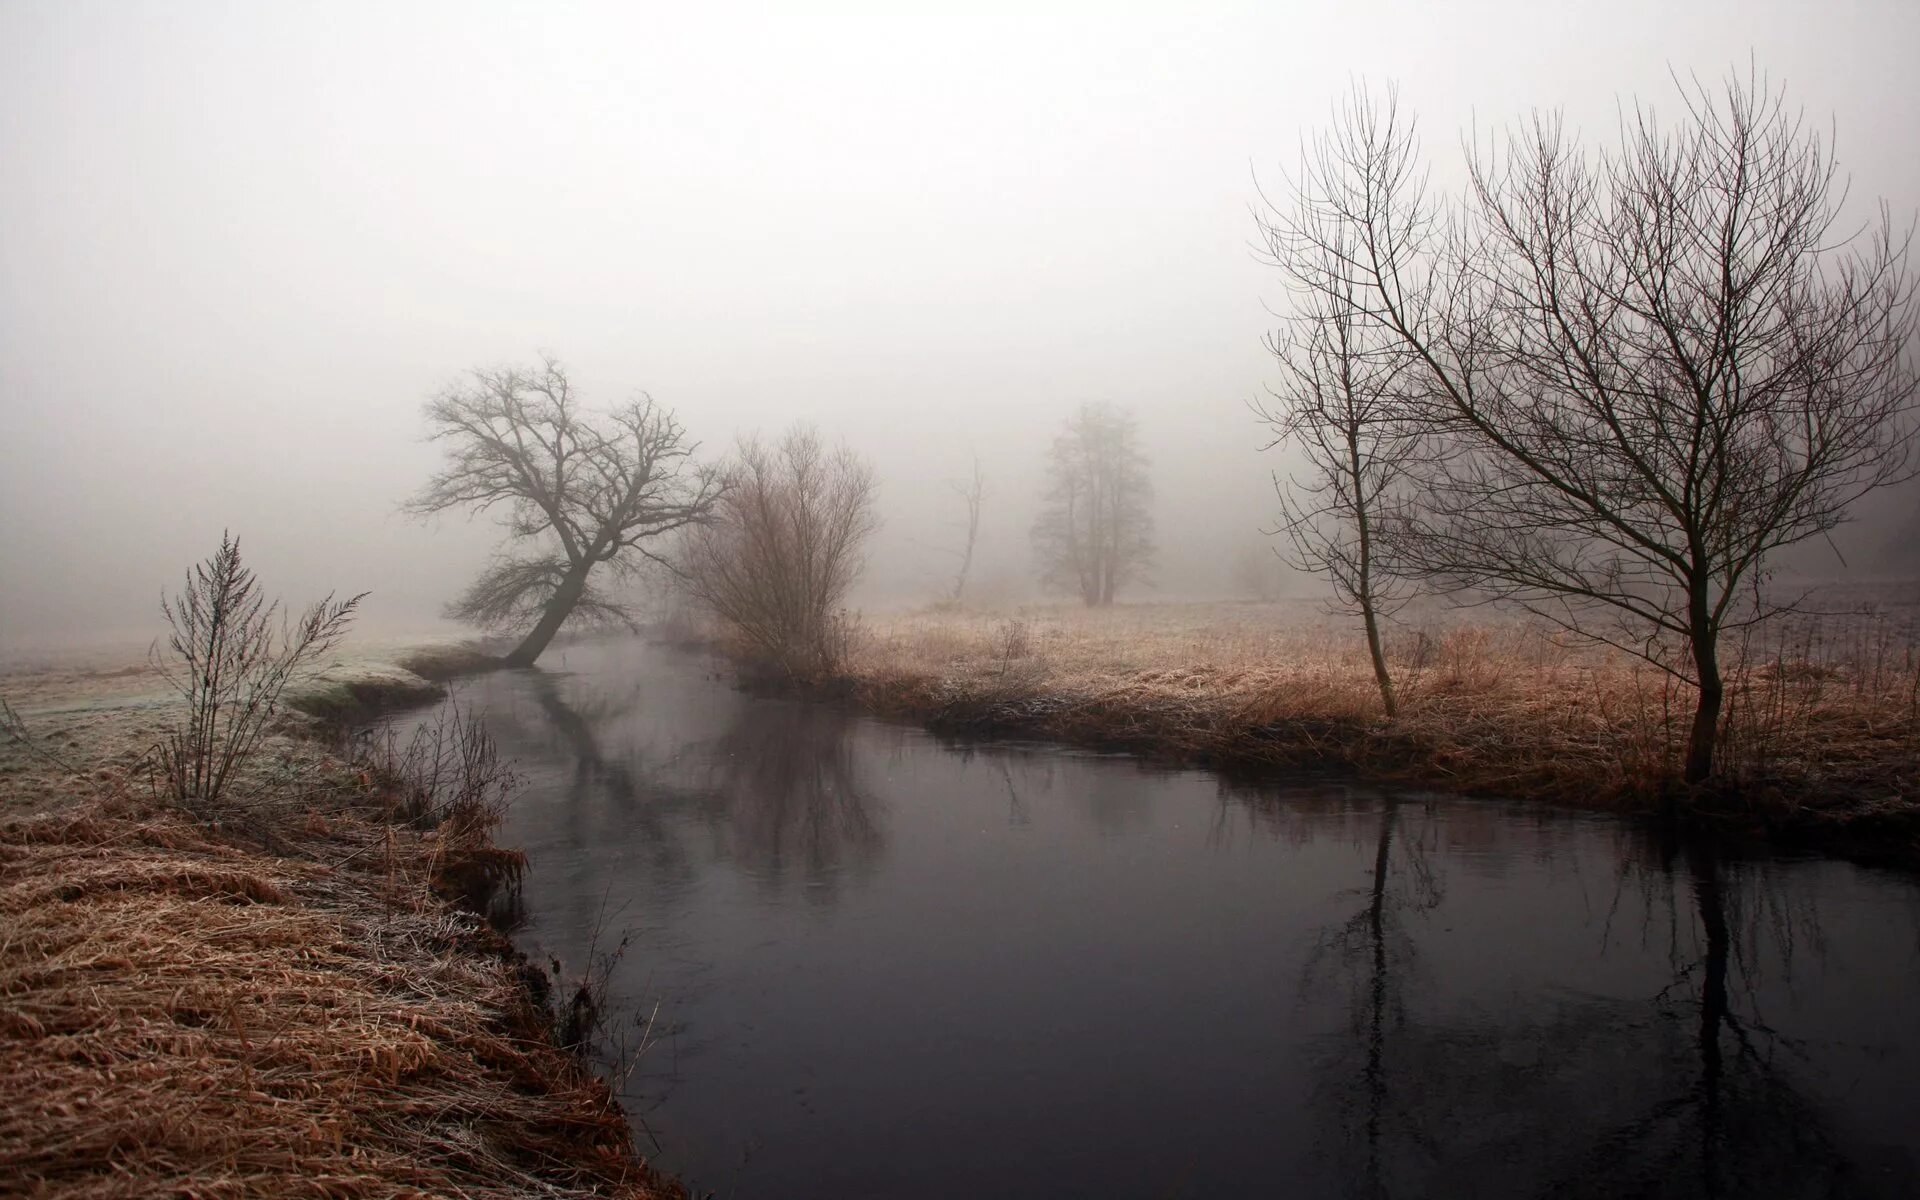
x=1821, y=724
x=296, y=1000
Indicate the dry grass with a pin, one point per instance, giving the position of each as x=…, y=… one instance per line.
x=1821, y=718
x=287, y=1004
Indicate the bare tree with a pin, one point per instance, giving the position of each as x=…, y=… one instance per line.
x=1340, y=408
x=1648, y=367
x=584, y=489
x=783, y=548
x=971, y=490
x=1094, y=533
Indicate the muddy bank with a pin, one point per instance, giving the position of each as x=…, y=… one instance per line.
x=297, y=998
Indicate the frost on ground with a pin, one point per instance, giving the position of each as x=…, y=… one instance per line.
x=95, y=716
x=287, y=999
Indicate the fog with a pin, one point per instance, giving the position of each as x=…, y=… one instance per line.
x=241, y=244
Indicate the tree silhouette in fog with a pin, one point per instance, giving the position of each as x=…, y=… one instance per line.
x=1094, y=534
x=581, y=491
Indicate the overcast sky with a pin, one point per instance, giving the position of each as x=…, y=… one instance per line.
x=241, y=243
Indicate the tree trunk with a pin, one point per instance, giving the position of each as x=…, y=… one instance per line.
x=1706, y=713
x=1380, y=673
x=572, y=587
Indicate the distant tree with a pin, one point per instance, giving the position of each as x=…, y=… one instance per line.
x=584, y=490
x=1094, y=533
x=783, y=547
x=1338, y=406
x=1646, y=368
x=971, y=490
x=1258, y=572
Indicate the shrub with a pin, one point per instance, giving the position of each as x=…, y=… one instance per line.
x=231, y=655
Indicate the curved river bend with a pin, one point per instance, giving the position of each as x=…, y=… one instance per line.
x=879, y=964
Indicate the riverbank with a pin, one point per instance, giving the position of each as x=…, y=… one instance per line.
x=1821, y=732
x=297, y=998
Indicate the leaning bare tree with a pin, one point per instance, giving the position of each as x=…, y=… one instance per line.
x=584, y=490
x=783, y=547
x=1094, y=533
x=1648, y=367
x=1338, y=406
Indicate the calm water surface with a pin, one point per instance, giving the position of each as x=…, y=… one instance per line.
x=883, y=965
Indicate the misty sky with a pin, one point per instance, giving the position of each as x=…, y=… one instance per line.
x=240, y=244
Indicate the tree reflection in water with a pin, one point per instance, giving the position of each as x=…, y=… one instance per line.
x=1688, y=1092
x=791, y=801
x=1718, y=1112
x=1374, y=954
x=779, y=789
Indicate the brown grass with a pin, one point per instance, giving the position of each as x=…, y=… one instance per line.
x=184, y=1011
x=1821, y=722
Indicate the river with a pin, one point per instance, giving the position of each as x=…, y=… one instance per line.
x=869, y=962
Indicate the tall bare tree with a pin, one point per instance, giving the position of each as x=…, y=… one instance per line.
x=1339, y=407
x=1094, y=533
x=1649, y=366
x=971, y=490
x=783, y=548
x=582, y=490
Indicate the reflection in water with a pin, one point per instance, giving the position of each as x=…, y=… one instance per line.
x=777, y=790
x=1724, y=1117
x=1699, y=1097
x=896, y=967
x=790, y=797
x=1375, y=953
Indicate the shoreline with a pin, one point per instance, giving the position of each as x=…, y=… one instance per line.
x=311, y=977
x=1373, y=753
x=1821, y=749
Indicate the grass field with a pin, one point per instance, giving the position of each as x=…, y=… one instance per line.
x=1821, y=718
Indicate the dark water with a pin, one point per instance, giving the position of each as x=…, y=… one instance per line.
x=880, y=965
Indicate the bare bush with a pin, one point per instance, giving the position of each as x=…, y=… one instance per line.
x=232, y=655
x=783, y=548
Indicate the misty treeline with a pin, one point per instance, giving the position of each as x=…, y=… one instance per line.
x=1602, y=384
x=768, y=542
